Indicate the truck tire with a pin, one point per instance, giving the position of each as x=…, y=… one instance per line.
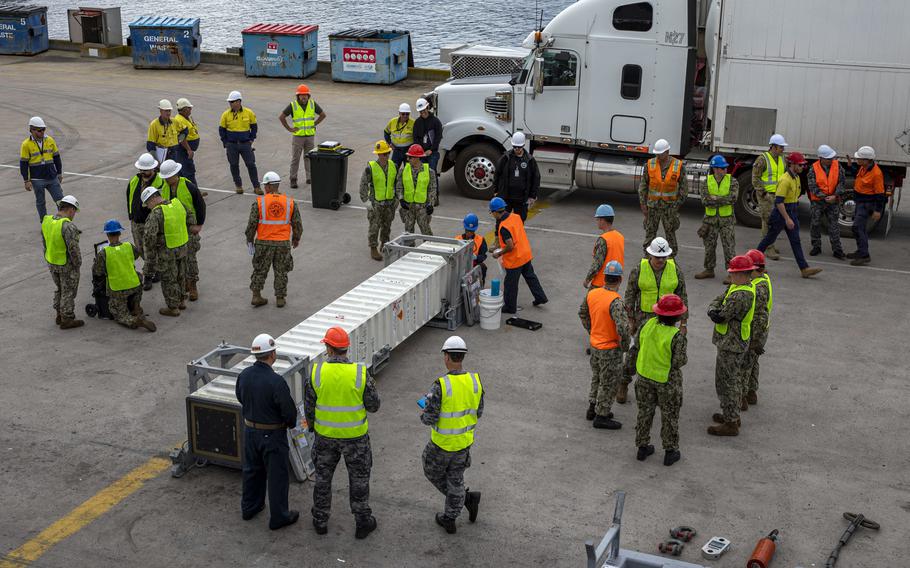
x=475, y=167
x=845, y=222
x=746, y=206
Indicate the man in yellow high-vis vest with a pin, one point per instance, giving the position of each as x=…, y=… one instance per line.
x=452, y=408
x=416, y=192
x=399, y=133
x=64, y=259
x=377, y=192
x=767, y=170
x=185, y=191
x=115, y=265
x=161, y=141
x=305, y=115
x=40, y=165
x=761, y=326
x=718, y=194
x=167, y=232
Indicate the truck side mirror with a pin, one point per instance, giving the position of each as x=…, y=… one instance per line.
x=538, y=75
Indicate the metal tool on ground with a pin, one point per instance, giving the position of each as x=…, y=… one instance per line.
x=683, y=533
x=672, y=546
x=764, y=551
x=856, y=521
x=714, y=548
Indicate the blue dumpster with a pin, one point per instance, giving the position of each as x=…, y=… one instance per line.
x=280, y=50
x=165, y=43
x=371, y=56
x=23, y=29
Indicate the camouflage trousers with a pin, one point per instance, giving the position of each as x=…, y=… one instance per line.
x=628, y=368
x=118, y=302
x=192, y=266
x=728, y=376
x=831, y=211
x=751, y=365
x=358, y=459
x=171, y=266
x=445, y=470
x=606, y=373
x=669, y=217
x=279, y=259
x=380, y=219
x=416, y=213
x=66, y=282
x=723, y=227
x=667, y=396
x=138, y=230
x=765, y=206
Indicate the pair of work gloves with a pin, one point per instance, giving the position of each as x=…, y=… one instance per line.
x=407, y=206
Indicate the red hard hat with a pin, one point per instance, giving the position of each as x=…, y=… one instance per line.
x=669, y=305
x=741, y=263
x=337, y=337
x=303, y=90
x=416, y=151
x=757, y=257
x=796, y=158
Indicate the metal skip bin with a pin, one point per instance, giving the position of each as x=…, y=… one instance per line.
x=165, y=43
x=23, y=29
x=371, y=56
x=280, y=50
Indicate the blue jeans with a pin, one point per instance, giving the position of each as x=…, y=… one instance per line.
x=432, y=160
x=776, y=224
x=399, y=155
x=189, y=164
x=860, y=223
x=38, y=187
x=237, y=150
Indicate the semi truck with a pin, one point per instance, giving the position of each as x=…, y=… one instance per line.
x=604, y=79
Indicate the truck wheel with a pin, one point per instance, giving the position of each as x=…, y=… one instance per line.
x=746, y=206
x=845, y=222
x=474, y=170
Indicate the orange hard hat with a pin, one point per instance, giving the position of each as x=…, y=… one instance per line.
x=740, y=263
x=416, y=151
x=337, y=337
x=303, y=90
x=669, y=305
x=757, y=256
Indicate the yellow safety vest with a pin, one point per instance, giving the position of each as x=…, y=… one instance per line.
x=188, y=124
x=183, y=194
x=722, y=190
x=383, y=183
x=304, y=118
x=655, y=350
x=402, y=135
x=39, y=154
x=175, y=231
x=767, y=279
x=339, y=388
x=120, y=265
x=647, y=283
x=773, y=170
x=163, y=135
x=418, y=195
x=157, y=182
x=745, y=328
x=54, y=245
x=461, y=394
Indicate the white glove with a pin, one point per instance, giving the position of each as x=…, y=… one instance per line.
x=368, y=204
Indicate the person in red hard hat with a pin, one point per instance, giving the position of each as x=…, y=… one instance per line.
x=336, y=401
x=784, y=216
x=306, y=114
x=761, y=324
x=416, y=192
x=661, y=356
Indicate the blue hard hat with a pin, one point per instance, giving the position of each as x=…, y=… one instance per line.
x=604, y=211
x=718, y=161
x=113, y=226
x=613, y=268
x=497, y=204
x=471, y=222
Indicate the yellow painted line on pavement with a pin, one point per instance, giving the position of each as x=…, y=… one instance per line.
x=84, y=514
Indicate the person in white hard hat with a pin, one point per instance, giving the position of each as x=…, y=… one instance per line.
x=237, y=130
x=517, y=178
x=268, y=411
x=399, y=134
x=662, y=191
x=306, y=115
x=40, y=165
x=428, y=133
x=162, y=137
x=146, y=176
x=64, y=259
x=182, y=189
x=272, y=229
x=870, y=197
x=187, y=139
x=451, y=409
x=826, y=186
x=767, y=171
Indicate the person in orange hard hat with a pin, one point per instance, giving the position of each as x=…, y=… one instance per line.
x=306, y=114
x=336, y=401
x=416, y=192
x=761, y=325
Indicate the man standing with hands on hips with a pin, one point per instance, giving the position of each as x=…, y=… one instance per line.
x=305, y=115
x=517, y=178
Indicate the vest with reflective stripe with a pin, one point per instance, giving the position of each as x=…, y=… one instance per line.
x=745, y=327
x=339, y=388
x=767, y=280
x=175, y=231
x=647, y=283
x=721, y=190
x=304, y=118
x=458, y=414
x=662, y=188
x=655, y=351
x=826, y=182
x=275, y=212
x=383, y=183
x=183, y=195
x=603, y=328
x=477, y=242
x=418, y=194
x=157, y=182
x=39, y=154
x=616, y=250
x=402, y=135
x=120, y=265
x=54, y=245
x=773, y=170
x=520, y=254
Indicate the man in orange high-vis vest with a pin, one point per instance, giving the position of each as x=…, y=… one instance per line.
x=273, y=228
x=826, y=185
x=610, y=245
x=662, y=191
x=515, y=251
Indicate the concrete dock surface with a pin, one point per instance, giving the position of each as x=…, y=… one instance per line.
x=89, y=415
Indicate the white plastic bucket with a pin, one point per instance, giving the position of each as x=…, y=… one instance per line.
x=490, y=310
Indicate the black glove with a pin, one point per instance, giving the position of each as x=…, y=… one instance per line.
x=715, y=316
x=429, y=209
x=404, y=204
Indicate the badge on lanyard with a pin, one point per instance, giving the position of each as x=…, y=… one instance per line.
x=516, y=171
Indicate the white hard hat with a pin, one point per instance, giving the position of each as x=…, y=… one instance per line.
x=422, y=104
x=826, y=152
x=404, y=107
x=454, y=344
x=234, y=96
x=165, y=104
x=659, y=247
x=777, y=140
x=264, y=343
x=271, y=177
x=36, y=122
x=170, y=168
x=865, y=153
x=148, y=193
x=184, y=103
x=70, y=200
x=518, y=140
x=146, y=162
x=660, y=147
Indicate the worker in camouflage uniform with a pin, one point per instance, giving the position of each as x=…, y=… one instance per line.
x=273, y=228
x=603, y=316
x=610, y=245
x=336, y=401
x=767, y=170
x=116, y=263
x=452, y=408
x=761, y=325
x=732, y=313
x=64, y=259
x=660, y=360
x=377, y=191
x=167, y=232
x=146, y=176
x=718, y=194
x=662, y=191
x=181, y=188
x=655, y=276
x=826, y=186
x=416, y=192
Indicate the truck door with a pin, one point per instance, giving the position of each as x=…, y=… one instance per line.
x=553, y=113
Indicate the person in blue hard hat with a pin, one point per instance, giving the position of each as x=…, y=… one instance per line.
x=115, y=265
x=610, y=245
x=718, y=194
x=471, y=222
x=515, y=251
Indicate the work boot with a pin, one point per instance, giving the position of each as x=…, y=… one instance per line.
x=292, y=518
x=294, y=183
x=671, y=457
x=321, y=528
x=142, y=322
x=839, y=255
x=258, y=191
x=147, y=282
x=258, y=300
x=238, y=189
x=191, y=290
x=472, y=504
x=59, y=319
x=365, y=528
x=852, y=254
x=589, y=415
x=644, y=452
x=704, y=274
x=727, y=280
x=815, y=251
x=447, y=524
x=725, y=429
x=181, y=305
x=606, y=423
x=744, y=404
x=205, y=194
x=719, y=418
x=279, y=301
x=156, y=277
x=752, y=398
x=169, y=312
x=810, y=272
x=861, y=261
x=622, y=393
x=772, y=253
x=308, y=181
x=70, y=323
x=375, y=254
x=248, y=515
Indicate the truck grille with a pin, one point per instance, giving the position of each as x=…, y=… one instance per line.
x=479, y=66
x=499, y=105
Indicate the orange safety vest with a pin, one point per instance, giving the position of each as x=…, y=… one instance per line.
x=663, y=188
x=869, y=182
x=603, y=328
x=477, y=241
x=826, y=183
x=616, y=250
x=520, y=254
x=275, y=212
